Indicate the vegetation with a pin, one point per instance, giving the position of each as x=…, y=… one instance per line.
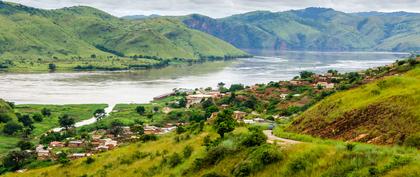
x=84, y=38
x=382, y=112
x=317, y=29
x=13, y=130
x=228, y=157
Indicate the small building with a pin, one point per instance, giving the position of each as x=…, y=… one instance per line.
x=195, y=99
x=248, y=121
x=76, y=144
x=42, y=153
x=283, y=96
x=259, y=120
x=163, y=96
x=224, y=106
x=79, y=155
x=102, y=148
x=148, y=130
x=325, y=85
x=239, y=115
x=56, y=144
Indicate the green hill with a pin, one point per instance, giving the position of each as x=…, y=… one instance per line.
x=386, y=111
x=30, y=35
x=315, y=29
x=190, y=156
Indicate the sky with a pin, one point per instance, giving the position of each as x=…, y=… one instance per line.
x=223, y=8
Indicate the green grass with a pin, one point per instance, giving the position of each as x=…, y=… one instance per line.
x=387, y=108
x=305, y=159
x=69, y=37
x=78, y=112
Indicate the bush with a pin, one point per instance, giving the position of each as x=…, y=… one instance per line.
x=255, y=138
x=213, y=174
x=146, y=138
x=140, y=110
x=89, y=160
x=12, y=127
x=242, y=169
x=413, y=141
x=174, y=160
x=350, y=146
x=187, y=151
x=25, y=145
x=37, y=117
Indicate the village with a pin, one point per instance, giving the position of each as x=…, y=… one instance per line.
x=104, y=140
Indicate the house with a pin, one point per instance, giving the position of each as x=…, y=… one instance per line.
x=126, y=131
x=167, y=129
x=163, y=96
x=75, y=144
x=166, y=110
x=283, y=96
x=247, y=121
x=79, y=155
x=151, y=130
x=42, y=153
x=259, y=120
x=102, y=148
x=224, y=106
x=325, y=85
x=195, y=99
x=296, y=95
x=56, y=144
x=239, y=115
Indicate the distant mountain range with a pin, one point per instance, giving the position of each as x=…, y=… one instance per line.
x=319, y=29
x=80, y=32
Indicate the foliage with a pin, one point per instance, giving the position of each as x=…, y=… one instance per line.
x=224, y=122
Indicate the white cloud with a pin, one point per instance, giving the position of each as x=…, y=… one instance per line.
x=221, y=8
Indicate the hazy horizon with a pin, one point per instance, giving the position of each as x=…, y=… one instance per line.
x=221, y=8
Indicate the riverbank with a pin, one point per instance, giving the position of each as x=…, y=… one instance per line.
x=24, y=65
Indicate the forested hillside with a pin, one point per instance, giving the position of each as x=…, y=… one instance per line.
x=315, y=29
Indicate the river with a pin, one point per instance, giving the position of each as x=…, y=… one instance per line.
x=142, y=86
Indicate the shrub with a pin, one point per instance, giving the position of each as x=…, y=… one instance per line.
x=350, y=146
x=213, y=174
x=174, y=160
x=37, y=117
x=187, y=151
x=242, y=169
x=255, y=138
x=146, y=138
x=25, y=145
x=89, y=160
x=413, y=141
x=12, y=127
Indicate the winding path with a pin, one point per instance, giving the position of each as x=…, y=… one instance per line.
x=89, y=121
x=271, y=138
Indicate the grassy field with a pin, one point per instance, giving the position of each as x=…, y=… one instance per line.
x=385, y=112
x=78, y=112
x=305, y=159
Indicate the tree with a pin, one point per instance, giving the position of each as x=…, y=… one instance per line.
x=306, y=74
x=99, y=114
x=224, y=122
x=26, y=121
x=37, y=117
x=182, y=102
x=46, y=112
x=140, y=110
x=66, y=121
x=25, y=145
x=116, y=127
x=4, y=118
x=138, y=129
x=52, y=67
x=155, y=109
x=236, y=87
x=16, y=159
x=12, y=127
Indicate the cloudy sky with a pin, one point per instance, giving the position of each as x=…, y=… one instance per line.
x=222, y=8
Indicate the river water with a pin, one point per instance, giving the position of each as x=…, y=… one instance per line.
x=142, y=86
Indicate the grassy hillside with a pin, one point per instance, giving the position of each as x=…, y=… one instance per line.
x=315, y=29
x=78, y=112
x=83, y=36
x=383, y=112
x=167, y=157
